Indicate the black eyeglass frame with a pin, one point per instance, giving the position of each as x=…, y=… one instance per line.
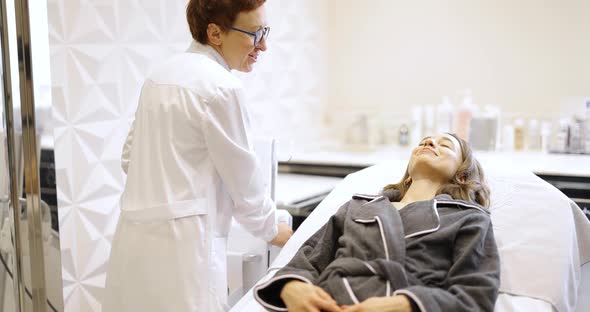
x=259, y=35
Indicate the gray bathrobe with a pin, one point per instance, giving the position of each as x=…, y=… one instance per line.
x=440, y=253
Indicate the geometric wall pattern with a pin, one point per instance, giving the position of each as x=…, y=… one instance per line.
x=100, y=53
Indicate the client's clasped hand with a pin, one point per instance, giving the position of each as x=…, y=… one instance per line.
x=299, y=296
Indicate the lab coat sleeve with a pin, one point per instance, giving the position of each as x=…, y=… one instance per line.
x=473, y=279
x=126, y=155
x=307, y=264
x=225, y=127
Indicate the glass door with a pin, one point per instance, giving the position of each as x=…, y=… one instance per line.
x=30, y=264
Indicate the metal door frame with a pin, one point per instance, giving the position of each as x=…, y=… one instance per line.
x=31, y=166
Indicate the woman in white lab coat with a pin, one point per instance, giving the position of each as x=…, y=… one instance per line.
x=190, y=167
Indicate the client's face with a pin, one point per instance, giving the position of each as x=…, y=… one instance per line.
x=437, y=158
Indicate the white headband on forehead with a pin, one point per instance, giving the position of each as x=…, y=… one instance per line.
x=445, y=136
x=452, y=139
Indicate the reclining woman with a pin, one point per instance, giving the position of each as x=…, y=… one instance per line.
x=425, y=244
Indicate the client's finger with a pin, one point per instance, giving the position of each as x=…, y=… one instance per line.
x=352, y=308
x=328, y=306
x=323, y=294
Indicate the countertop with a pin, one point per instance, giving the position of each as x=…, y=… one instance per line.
x=538, y=162
x=294, y=188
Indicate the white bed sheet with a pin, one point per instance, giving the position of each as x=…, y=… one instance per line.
x=342, y=193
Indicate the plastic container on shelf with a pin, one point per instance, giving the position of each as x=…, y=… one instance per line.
x=463, y=116
x=508, y=137
x=533, y=141
x=444, y=116
x=415, y=127
x=545, y=136
x=575, y=143
x=357, y=133
x=519, y=134
x=561, y=142
x=428, y=127
x=404, y=135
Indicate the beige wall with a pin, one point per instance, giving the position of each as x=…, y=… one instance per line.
x=288, y=86
x=528, y=57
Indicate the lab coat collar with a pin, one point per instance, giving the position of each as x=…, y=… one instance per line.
x=209, y=51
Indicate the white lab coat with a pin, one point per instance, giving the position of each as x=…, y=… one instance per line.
x=190, y=167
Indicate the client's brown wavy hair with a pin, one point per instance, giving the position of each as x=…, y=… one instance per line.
x=468, y=183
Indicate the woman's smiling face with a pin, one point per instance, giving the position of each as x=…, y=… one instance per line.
x=437, y=157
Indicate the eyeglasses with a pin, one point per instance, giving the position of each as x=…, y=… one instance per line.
x=259, y=35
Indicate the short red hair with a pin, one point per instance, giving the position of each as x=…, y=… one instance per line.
x=201, y=13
